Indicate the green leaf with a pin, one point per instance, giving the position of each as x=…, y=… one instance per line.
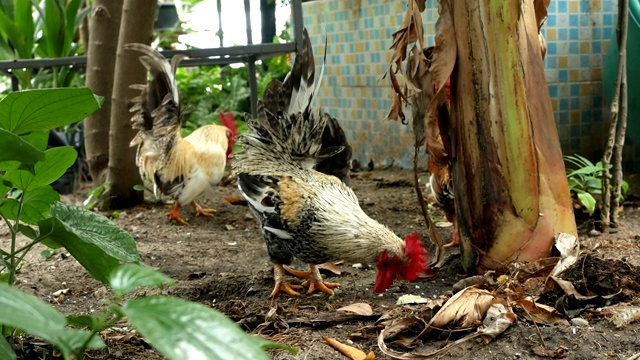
x=70, y=25
x=6, y=352
x=24, y=23
x=85, y=321
x=624, y=185
x=5, y=186
x=184, y=330
x=96, y=242
x=15, y=148
x=39, y=319
x=39, y=110
x=588, y=201
x=36, y=205
x=129, y=277
x=28, y=231
x=57, y=161
x=53, y=27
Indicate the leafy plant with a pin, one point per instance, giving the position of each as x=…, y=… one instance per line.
x=30, y=207
x=47, y=32
x=585, y=180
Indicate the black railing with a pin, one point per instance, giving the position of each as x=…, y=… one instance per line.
x=247, y=54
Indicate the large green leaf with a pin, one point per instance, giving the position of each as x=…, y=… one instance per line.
x=6, y=352
x=37, y=318
x=588, y=201
x=36, y=205
x=54, y=27
x=15, y=148
x=129, y=277
x=38, y=110
x=96, y=242
x=184, y=330
x=57, y=161
x=24, y=22
x=5, y=186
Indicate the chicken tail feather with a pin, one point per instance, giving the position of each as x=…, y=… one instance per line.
x=157, y=108
x=287, y=129
x=157, y=111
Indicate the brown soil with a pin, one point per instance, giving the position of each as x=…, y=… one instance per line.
x=222, y=262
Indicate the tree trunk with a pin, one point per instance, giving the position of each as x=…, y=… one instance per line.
x=268, y=16
x=510, y=186
x=104, y=23
x=136, y=27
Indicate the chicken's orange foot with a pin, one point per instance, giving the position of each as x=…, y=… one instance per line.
x=325, y=287
x=330, y=266
x=297, y=273
x=174, y=214
x=315, y=282
x=456, y=237
x=290, y=289
x=281, y=284
x=200, y=211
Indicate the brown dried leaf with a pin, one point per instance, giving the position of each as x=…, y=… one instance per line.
x=540, y=7
x=235, y=200
x=569, y=248
x=560, y=352
x=349, y=351
x=395, y=112
x=543, y=45
x=465, y=309
x=445, y=51
x=358, y=308
x=333, y=267
x=497, y=321
x=540, y=313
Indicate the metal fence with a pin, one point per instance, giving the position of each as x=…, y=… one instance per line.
x=247, y=54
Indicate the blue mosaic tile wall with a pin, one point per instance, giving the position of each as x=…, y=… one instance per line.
x=359, y=36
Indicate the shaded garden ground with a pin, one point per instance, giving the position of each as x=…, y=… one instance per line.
x=222, y=262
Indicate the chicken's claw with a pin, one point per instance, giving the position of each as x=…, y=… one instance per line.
x=281, y=284
x=297, y=273
x=200, y=211
x=315, y=281
x=290, y=289
x=456, y=238
x=325, y=287
x=174, y=214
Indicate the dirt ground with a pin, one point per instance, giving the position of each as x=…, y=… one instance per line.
x=222, y=262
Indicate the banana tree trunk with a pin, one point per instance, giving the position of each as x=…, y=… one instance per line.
x=136, y=27
x=104, y=24
x=511, y=191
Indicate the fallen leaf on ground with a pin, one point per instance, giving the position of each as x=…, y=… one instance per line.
x=560, y=352
x=540, y=313
x=235, y=201
x=333, y=267
x=465, y=309
x=349, y=351
x=411, y=299
x=569, y=248
x=358, y=308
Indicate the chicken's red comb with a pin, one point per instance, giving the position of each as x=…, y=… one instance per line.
x=227, y=119
x=416, y=255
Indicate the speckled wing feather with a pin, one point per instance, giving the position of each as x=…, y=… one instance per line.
x=157, y=111
x=338, y=164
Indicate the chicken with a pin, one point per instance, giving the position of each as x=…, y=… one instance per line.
x=181, y=168
x=441, y=182
x=304, y=213
x=441, y=185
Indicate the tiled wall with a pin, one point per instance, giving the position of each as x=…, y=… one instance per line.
x=359, y=35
